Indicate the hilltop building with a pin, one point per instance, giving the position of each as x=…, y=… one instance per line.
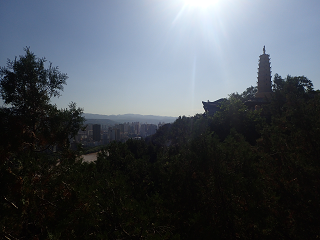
x=211, y=108
x=264, y=88
x=264, y=92
x=264, y=76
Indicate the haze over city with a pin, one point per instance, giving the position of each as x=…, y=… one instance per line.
x=162, y=57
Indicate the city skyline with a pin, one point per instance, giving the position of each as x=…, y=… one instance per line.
x=161, y=57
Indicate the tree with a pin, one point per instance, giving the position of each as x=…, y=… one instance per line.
x=248, y=94
x=298, y=84
x=35, y=154
x=26, y=86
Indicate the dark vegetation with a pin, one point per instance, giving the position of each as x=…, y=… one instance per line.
x=240, y=174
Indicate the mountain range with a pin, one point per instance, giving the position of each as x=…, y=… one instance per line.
x=116, y=119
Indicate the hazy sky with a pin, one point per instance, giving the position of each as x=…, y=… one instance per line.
x=161, y=57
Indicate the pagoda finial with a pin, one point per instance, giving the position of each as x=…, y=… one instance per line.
x=264, y=49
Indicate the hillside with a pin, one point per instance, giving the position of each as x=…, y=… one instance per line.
x=239, y=174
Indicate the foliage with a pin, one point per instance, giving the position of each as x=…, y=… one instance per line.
x=234, y=175
x=27, y=85
x=248, y=94
x=35, y=153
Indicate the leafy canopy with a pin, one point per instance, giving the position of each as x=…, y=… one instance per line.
x=26, y=83
x=31, y=121
x=35, y=155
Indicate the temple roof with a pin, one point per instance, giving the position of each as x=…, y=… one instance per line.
x=212, y=107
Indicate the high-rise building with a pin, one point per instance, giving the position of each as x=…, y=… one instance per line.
x=121, y=127
x=264, y=76
x=152, y=129
x=136, y=127
x=143, y=130
x=96, y=132
x=117, y=134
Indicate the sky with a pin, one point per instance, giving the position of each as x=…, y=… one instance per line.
x=161, y=57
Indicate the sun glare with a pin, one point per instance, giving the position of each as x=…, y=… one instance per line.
x=200, y=3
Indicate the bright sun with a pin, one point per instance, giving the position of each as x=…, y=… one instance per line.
x=200, y=3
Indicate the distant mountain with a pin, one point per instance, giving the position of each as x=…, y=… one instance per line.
x=128, y=118
x=107, y=122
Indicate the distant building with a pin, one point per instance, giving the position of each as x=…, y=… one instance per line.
x=264, y=76
x=147, y=129
x=152, y=129
x=117, y=134
x=143, y=130
x=111, y=134
x=96, y=128
x=160, y=124
x=121, y=127
x=105, y=138
x=264, y=93
x=136, y=126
